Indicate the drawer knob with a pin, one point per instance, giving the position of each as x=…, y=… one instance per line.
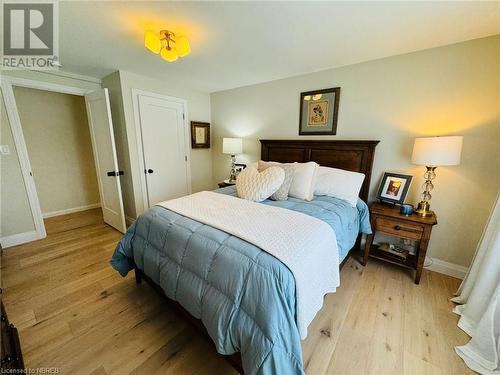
x=397, y=227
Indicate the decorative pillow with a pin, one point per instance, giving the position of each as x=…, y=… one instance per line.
x=302, y=186
x=339, y=183
x=282, y=193
x=254, y=186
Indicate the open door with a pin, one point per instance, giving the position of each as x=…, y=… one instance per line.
x=106, y=164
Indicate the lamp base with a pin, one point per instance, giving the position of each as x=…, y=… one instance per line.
x=423, y=209
x=232, y=175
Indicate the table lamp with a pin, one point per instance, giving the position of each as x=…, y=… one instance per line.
x=232, y=146
x=434, y=152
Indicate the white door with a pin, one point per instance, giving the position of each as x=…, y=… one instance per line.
x=106, y=164
x=164, y=148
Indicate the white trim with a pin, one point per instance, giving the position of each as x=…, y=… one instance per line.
x=140, y=147
x=41, y=85
x=62, y=73
x=18, y=239
x=446, y=268
x=22, y=152
x=70, y=210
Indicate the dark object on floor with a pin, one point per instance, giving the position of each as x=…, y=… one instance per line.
x=12, y=358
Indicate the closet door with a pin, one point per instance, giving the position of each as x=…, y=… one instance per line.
x=103, y=145
x=164, y=148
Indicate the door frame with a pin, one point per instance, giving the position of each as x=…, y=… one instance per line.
x=140, y=145
x=6, y=84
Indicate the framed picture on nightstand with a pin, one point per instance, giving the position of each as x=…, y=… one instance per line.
x=394, y=188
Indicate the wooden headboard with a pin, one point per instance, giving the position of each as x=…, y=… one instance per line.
x=356, y=156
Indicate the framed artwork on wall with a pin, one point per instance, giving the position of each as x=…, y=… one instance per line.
x=200, y=134
x=394, y=188
x=319, y=112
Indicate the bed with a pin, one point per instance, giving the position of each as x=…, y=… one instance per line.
x=239, y=295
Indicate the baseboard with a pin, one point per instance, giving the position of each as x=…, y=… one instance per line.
x=18, y=239
x=446, y=268
x=70, y=210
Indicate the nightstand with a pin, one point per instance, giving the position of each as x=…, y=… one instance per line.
x=389, y=221
x=225, y=183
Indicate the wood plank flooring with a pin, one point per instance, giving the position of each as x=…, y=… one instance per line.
x=76, y=313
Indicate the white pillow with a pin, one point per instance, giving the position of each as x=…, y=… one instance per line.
x=339, y=183
x=254, y=186
x=304, y=179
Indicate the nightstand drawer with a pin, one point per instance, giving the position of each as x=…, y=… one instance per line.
x=397, y=228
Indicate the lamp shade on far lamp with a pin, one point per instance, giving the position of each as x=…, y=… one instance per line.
x=232, y=146
x=437, y=151
x=434, y=152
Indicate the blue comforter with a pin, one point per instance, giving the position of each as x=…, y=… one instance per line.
x=244, y=296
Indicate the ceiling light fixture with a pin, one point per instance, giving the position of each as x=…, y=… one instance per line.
x=169, y=46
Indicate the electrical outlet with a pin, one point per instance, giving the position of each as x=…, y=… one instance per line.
x=4, y=150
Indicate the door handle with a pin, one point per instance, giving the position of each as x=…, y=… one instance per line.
x=148, y=171
x=397, y=227
x=113, y=173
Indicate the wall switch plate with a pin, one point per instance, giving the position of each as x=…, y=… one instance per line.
x=4, y=150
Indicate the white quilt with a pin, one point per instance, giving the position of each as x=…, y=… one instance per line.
x=306, y=245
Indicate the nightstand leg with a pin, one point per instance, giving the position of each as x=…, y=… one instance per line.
x=418, y=274
x=368, y=245
x=422, y=251
x=420, y=263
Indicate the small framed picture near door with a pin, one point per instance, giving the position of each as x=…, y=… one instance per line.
x=319, y=112
x=200, y=134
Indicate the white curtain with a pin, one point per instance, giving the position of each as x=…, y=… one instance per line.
x=479, y=299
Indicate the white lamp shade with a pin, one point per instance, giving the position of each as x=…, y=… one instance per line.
x=437, y=151
x=232, y=146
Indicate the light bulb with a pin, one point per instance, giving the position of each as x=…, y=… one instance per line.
x=152, y=42
x=182, y=46
x=169, y=54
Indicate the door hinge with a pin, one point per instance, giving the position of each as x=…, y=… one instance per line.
x=183, y=116
x=185, y=158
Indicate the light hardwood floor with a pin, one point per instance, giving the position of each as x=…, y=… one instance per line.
x=76, y=313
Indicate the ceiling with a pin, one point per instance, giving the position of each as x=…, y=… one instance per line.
x=242, y=43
